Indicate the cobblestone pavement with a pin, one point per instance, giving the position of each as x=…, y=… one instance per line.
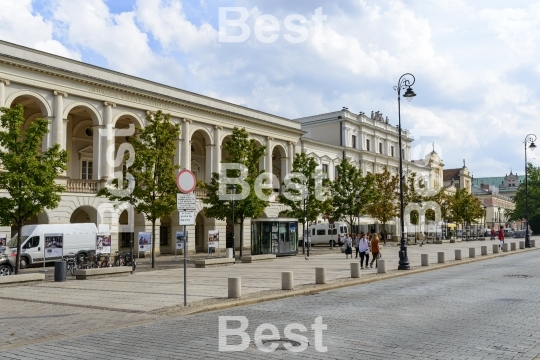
x=481, y=310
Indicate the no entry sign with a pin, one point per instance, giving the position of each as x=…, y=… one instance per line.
x=186, y=181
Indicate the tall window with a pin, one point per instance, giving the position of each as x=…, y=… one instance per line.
x=380, y=148
x=403, y=154
x=392, y=151
x=367, y=144
x=325, y=170
x=86, y=170
x=354, y=141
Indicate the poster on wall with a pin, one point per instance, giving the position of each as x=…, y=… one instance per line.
x=145, y=241
x=3, y=239
x=180, y=240
x=103, y=243
x=213, y=238
x=54, y=244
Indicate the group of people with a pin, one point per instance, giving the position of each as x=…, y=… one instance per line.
x=364, y=244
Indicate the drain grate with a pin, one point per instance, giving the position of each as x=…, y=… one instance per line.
x=519, y=276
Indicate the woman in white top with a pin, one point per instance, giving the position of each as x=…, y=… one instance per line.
x=363, y=248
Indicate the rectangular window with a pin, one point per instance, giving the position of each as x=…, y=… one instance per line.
x=380, y=148
x=321, y=232
x=354, y=141
x=86, y=170
x=367, y=144
x=325, y=168
x=392, y=151
x=312, y=231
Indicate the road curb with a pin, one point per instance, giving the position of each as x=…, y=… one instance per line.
x=313, y=288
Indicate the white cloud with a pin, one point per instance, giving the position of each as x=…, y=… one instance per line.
x=18, y=24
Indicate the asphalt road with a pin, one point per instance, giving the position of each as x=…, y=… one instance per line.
x=483, y=310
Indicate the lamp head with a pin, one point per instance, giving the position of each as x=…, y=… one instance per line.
x=532, y=146
x=409, y=94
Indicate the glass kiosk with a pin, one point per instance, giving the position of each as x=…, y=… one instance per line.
x=274, y=236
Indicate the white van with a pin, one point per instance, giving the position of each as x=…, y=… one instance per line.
x=79, y=239
x=326, y=233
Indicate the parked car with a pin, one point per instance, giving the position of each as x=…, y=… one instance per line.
x=327, y=233
x=521, y=233
x=7, y=261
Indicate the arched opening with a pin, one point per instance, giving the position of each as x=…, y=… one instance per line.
x=84, y=214
x=122, y=126
x=34, y=108
x=200, y=237
x=165, y=236
x=82, y=133
x=201, y=155
x=279, y=167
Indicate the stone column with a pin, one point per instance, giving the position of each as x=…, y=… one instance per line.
x=217, y=149
x=58, y=134
x=292, y=153
x=268, y=162
x=186, y=144
x=3, y=84
x=107, y=142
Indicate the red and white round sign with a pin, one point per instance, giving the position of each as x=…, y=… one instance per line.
x=186, y=181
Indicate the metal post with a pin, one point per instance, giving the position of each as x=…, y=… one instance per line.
x=185, y=264
x=529, y=138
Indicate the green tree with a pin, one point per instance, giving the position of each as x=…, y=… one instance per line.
x=385, y=204
x=306, y=166
x=349, y=184
x=153, y=171
x=243, y=151
x=518, y=213
x=464, y=207
x=27, y=175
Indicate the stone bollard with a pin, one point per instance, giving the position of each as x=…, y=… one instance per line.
x=513, y=246
x=320, y=275
x=229, y=253
x=472, y=252
x=533, y=243
x=484, y=250
x=381, y=266
x=424, y=259
x=440, y=257
x=355, y=270
x=522, y=244
x=235, y=287
x=505, y=247
x=495, y=249
x=287, y=282
x=458, y=254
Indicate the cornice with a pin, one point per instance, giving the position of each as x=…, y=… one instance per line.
x=127, y=89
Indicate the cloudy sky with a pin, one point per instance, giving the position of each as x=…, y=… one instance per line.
x=475, y=63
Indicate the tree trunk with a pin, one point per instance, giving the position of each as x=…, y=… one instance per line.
x=18, y=257
x=241, y=236
x=153, y=243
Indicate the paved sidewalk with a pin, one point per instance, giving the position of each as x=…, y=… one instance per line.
x=153, y=290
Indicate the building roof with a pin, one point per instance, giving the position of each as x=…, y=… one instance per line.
x=495, y=181
x=449, y=174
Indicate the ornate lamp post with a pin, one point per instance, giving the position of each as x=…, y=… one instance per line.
x=357, y=200
x=485, y=215
x=232, y=190
x=466, y=222
x=403, y=83
x=499, y=217
x=306, y=221
x=531, y=138
x=445, y=234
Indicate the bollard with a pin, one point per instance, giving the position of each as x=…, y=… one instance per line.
x=229, y=253
x=505, y=247
x=355, y=270
x=381, y=266
x=235, y=287
x=495, y=249
x=522, y=244
x=472, y=252
x=484, y=250
x=513, y=246
x=424, y=259
x=533, y=243
x=440, y=257
x=287, y=282
x=320, y=275
x=458, y=254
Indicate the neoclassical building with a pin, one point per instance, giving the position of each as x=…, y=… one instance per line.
x=91, y=109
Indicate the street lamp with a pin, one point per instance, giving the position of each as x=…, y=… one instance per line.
x=485, y=215
x=357, y=199
x=499, y=221
x=445, y=234
x=403, y=83
x=232, y=190
x=531, y=138
x=466, y=222
x=306, y=221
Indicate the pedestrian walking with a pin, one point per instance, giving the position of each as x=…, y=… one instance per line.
x=492, y=234
x=363, y=247
x=348, y=246
x=501, y=237
x=355, y=244
x=383, y=237
x=421, y=238
x=375, y=251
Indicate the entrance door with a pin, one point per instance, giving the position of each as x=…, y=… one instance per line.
x=284, y=239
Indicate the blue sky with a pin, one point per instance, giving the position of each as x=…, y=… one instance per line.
x=475, y=63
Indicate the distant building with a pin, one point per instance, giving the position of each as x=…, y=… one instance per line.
x=506, y=185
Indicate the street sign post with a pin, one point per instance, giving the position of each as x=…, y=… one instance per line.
x=186, y=181
x=186, y=218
